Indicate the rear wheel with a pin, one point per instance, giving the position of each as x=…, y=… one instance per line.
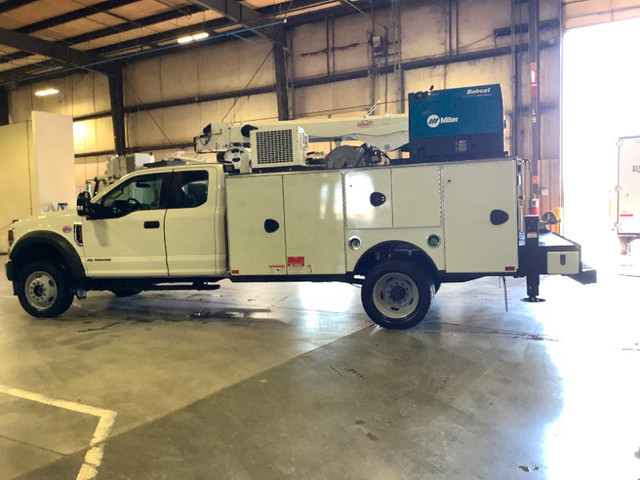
x=397, y=294
x=44, y=290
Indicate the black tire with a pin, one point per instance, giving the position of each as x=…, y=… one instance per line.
x=397, y=294
x=44, y=290
x=125, y=292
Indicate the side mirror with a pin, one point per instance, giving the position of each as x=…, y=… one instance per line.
x=84, y=205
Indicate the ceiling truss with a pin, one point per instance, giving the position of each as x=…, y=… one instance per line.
x=35, y=50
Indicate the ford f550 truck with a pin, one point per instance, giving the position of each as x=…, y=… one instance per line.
x=271, y=212
x=399, y=230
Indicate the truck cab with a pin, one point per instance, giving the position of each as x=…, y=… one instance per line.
x=153, y=225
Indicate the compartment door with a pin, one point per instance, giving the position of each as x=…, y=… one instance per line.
x=315, y=223
x=368, y=195
x=475, y=240
x=256, y=229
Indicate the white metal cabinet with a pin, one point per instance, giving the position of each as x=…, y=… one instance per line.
x=472, y=191
x=255, y=225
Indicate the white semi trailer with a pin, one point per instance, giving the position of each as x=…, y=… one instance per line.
x=628, y=192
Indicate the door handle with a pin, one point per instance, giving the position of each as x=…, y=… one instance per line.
x=271, y=225
x=153, y=224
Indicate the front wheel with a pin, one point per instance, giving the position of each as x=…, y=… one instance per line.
x=44, y=290
x=397, y=294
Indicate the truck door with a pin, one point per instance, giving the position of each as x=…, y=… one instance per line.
x=255, y=225
x=190, y=225
x=480, y=216
x=126, y=236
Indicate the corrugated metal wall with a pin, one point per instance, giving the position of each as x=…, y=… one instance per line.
x=332, y=72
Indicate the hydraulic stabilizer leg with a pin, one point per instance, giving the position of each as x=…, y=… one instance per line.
x=531, y=251
x=533, y=289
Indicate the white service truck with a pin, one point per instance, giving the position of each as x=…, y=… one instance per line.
x=398, y=230
x=628, y=190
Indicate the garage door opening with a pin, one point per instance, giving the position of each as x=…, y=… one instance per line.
x=601, y=102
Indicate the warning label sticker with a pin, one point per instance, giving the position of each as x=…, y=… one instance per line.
x=297, y=266
x=295, y=262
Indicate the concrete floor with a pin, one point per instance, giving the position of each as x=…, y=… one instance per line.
x=292, y=381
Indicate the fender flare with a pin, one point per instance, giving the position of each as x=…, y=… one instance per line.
x=394, y=248
x=58, y=243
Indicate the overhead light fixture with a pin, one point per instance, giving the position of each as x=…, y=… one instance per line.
x=193, y=38
x=49, y=91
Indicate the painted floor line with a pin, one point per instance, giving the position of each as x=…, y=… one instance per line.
x=93, y=457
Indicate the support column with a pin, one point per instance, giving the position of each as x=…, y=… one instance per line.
x=4, y=106
x=280, y=63
x=117, y=110
x=534, y=59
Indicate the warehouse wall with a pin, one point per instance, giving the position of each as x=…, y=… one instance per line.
x=332, y=72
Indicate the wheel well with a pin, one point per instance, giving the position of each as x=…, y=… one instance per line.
x=39, y=252
x=46, y=247
x=395, y=250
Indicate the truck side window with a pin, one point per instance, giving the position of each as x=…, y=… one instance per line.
x=190, y=189
x=139, y=193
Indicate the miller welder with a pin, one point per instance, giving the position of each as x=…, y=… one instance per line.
x=456, y=124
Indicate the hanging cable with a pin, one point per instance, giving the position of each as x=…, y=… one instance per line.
x=148, y=111
x=235, y=101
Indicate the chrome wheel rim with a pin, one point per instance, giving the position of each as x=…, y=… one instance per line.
x=41, y=290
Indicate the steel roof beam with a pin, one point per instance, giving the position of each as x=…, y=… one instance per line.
x=74, y=15
x=142, y=22
x=22, y=73
x=20, y=41
x=163, y=36
x=105, y=32
x=55, y=51
x=9, y=5
x=242, y=14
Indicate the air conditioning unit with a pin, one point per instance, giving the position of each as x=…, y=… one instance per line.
x=278, y=147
